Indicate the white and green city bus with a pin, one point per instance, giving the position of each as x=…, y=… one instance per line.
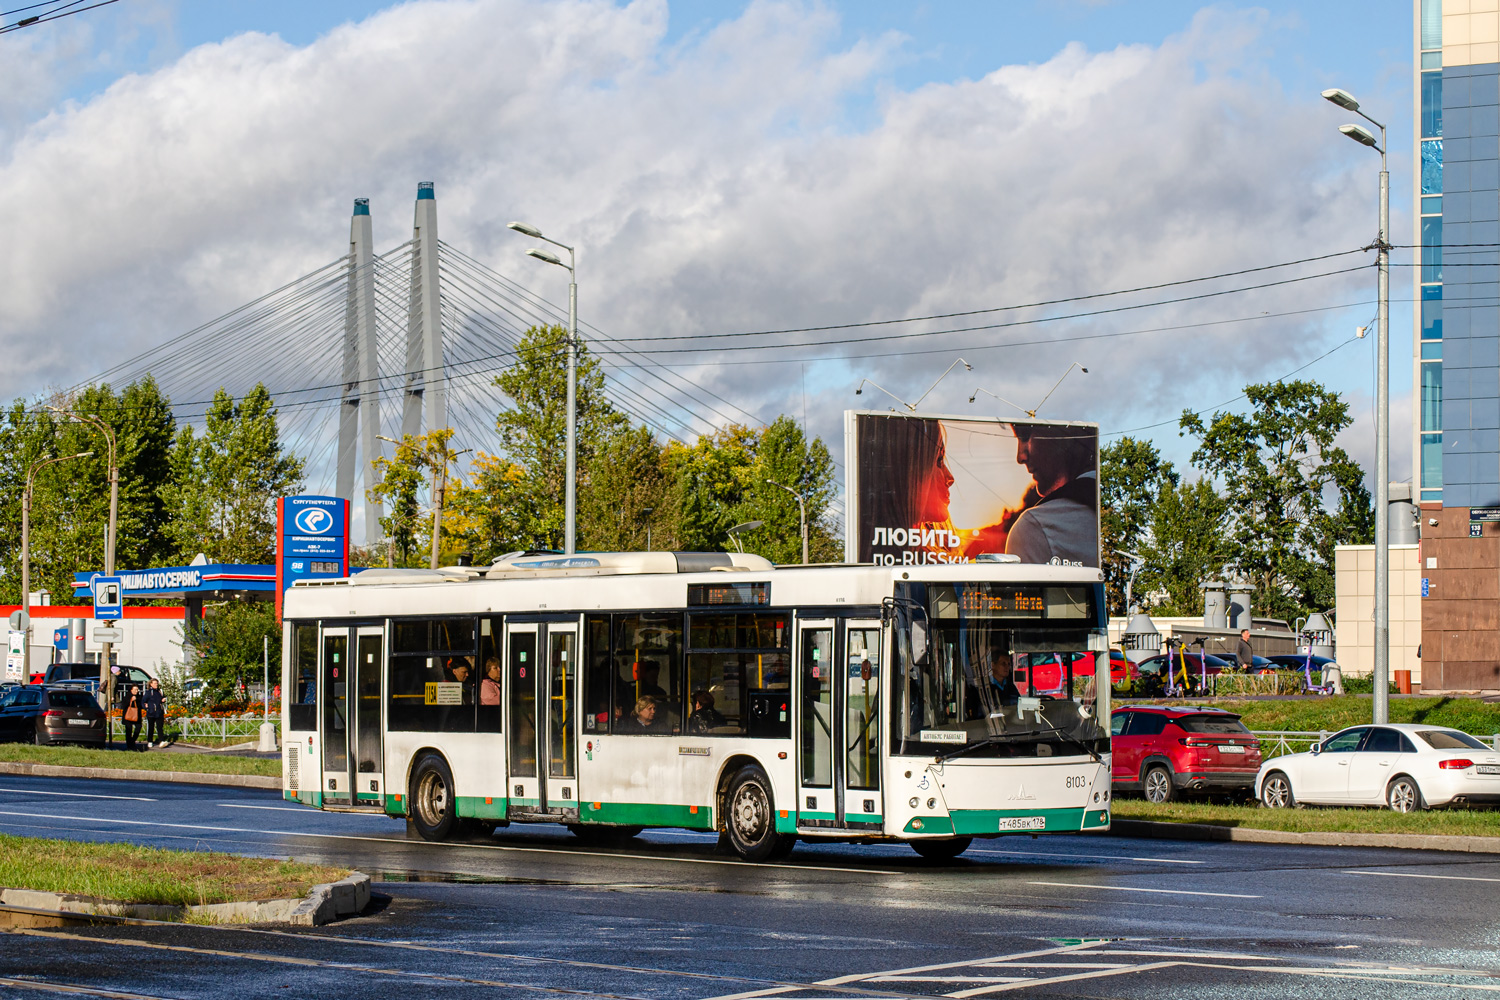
x=709, y=691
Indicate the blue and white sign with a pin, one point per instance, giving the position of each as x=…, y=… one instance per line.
x=109, y=599
x=312, y=541
x=60, y=639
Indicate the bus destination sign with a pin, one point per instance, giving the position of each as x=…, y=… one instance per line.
x=710, y=595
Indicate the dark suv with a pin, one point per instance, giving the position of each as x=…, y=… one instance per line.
x=37, y=714
x=1164, y=753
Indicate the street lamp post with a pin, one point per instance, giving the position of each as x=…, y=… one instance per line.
x=647, y=512
x=1361, y=135
x=571, y=515
x=36, y=467
x=802, y=512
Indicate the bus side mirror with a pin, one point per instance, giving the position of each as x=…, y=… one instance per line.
x=919, y=641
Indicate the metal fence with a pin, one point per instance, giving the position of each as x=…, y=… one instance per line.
x=222, y=729
x=1274, y=743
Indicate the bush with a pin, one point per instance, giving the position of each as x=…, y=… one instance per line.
x=1364, y=685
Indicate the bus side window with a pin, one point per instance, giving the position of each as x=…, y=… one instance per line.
x=596, y=674
x=304, y=689
x=490, y=677
x=648, y=696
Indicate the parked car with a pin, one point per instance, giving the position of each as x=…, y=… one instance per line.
x=1164, y=752
x=1294, y=661
x=86, y=676
x=43, y=714
x=1406, y=767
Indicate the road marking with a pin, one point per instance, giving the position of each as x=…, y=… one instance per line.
x=283, y=809
x=393, y=842
x=1106, y=857
x=1070, y=978
x=1129, y=888
x=307, y=962
x=77, y=795
x=1454, y=878
x=88, y=991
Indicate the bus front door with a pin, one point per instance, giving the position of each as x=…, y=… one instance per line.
x=349, y=696
x=838, y=725
x=540, y=706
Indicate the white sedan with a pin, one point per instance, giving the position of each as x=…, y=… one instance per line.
x=1406, y=767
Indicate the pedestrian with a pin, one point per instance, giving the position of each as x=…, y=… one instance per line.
x=155, y=704
x=131, y=717
x=1244, y=657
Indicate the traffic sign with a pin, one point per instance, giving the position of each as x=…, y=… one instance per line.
x=109, y=635
x=108, y=604
x=20, y=621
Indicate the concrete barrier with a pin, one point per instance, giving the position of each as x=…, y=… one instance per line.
x=134, y=774
x=323, y=904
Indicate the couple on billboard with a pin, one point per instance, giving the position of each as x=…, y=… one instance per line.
x=1027, y=489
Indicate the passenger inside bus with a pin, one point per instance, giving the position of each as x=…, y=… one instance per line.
x=458, y=670
x=645, y=719
x=705, y=718
x=489, y=688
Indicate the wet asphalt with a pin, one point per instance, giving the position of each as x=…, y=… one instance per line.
x=530, y=912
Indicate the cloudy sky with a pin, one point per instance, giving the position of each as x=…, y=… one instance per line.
x=730, y=167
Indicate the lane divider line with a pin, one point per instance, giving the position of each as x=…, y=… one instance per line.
x=1453, y=878
x=1130, y=888
x=78, y=795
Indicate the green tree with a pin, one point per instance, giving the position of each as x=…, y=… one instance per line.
x=1292, y=493
x=711, y=479
x=229, y=643
x=224, y=484
x=784, y=455
x=1186, y=546
x=533, y=430
x=1133, y=477
x=70, y=506
x=404, y=481
x=627, y=493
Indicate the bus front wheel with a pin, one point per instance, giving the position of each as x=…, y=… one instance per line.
x=433, y=806
x=750, y=819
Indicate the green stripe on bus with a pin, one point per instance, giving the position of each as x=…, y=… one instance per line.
x=306, y=798
x=647, y=814
x=968, y=822
x=478, y=807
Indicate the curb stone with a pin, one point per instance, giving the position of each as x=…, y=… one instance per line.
x=1208, y=831
x=133, y=774
x=323, y=904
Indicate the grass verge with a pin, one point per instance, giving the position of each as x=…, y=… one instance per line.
x=135, y=874
x=199, y=763
x=1312, y=819
x=1335, y=712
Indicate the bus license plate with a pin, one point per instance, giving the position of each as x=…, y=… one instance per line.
x=1231, y=748
x=1023, y=823
x=78, y=722
x=1488, y=769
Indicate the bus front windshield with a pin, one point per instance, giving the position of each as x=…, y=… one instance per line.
x=997, y=684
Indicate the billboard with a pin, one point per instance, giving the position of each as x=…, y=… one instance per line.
x=923, y=490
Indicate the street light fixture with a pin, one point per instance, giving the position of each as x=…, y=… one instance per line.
x=735, y=532
x=36, y=467
x=802, y=513
x=912, y=406
x=571, y=515
x=1381, y=678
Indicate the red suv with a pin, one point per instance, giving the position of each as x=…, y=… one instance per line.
x=1168, y=752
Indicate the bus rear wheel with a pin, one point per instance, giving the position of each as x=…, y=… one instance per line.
x=750, y=818
x=433, y=805
x=941, y=850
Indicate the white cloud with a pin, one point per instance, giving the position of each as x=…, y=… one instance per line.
x=714, y=186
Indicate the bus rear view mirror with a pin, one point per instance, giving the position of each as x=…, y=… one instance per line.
x=919, y=641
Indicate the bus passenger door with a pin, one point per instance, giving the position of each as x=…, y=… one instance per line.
x=367, y=759
x=858, y=701
x=524, y=781
x=560, y=731
x=817, y=724
x=333, y=716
